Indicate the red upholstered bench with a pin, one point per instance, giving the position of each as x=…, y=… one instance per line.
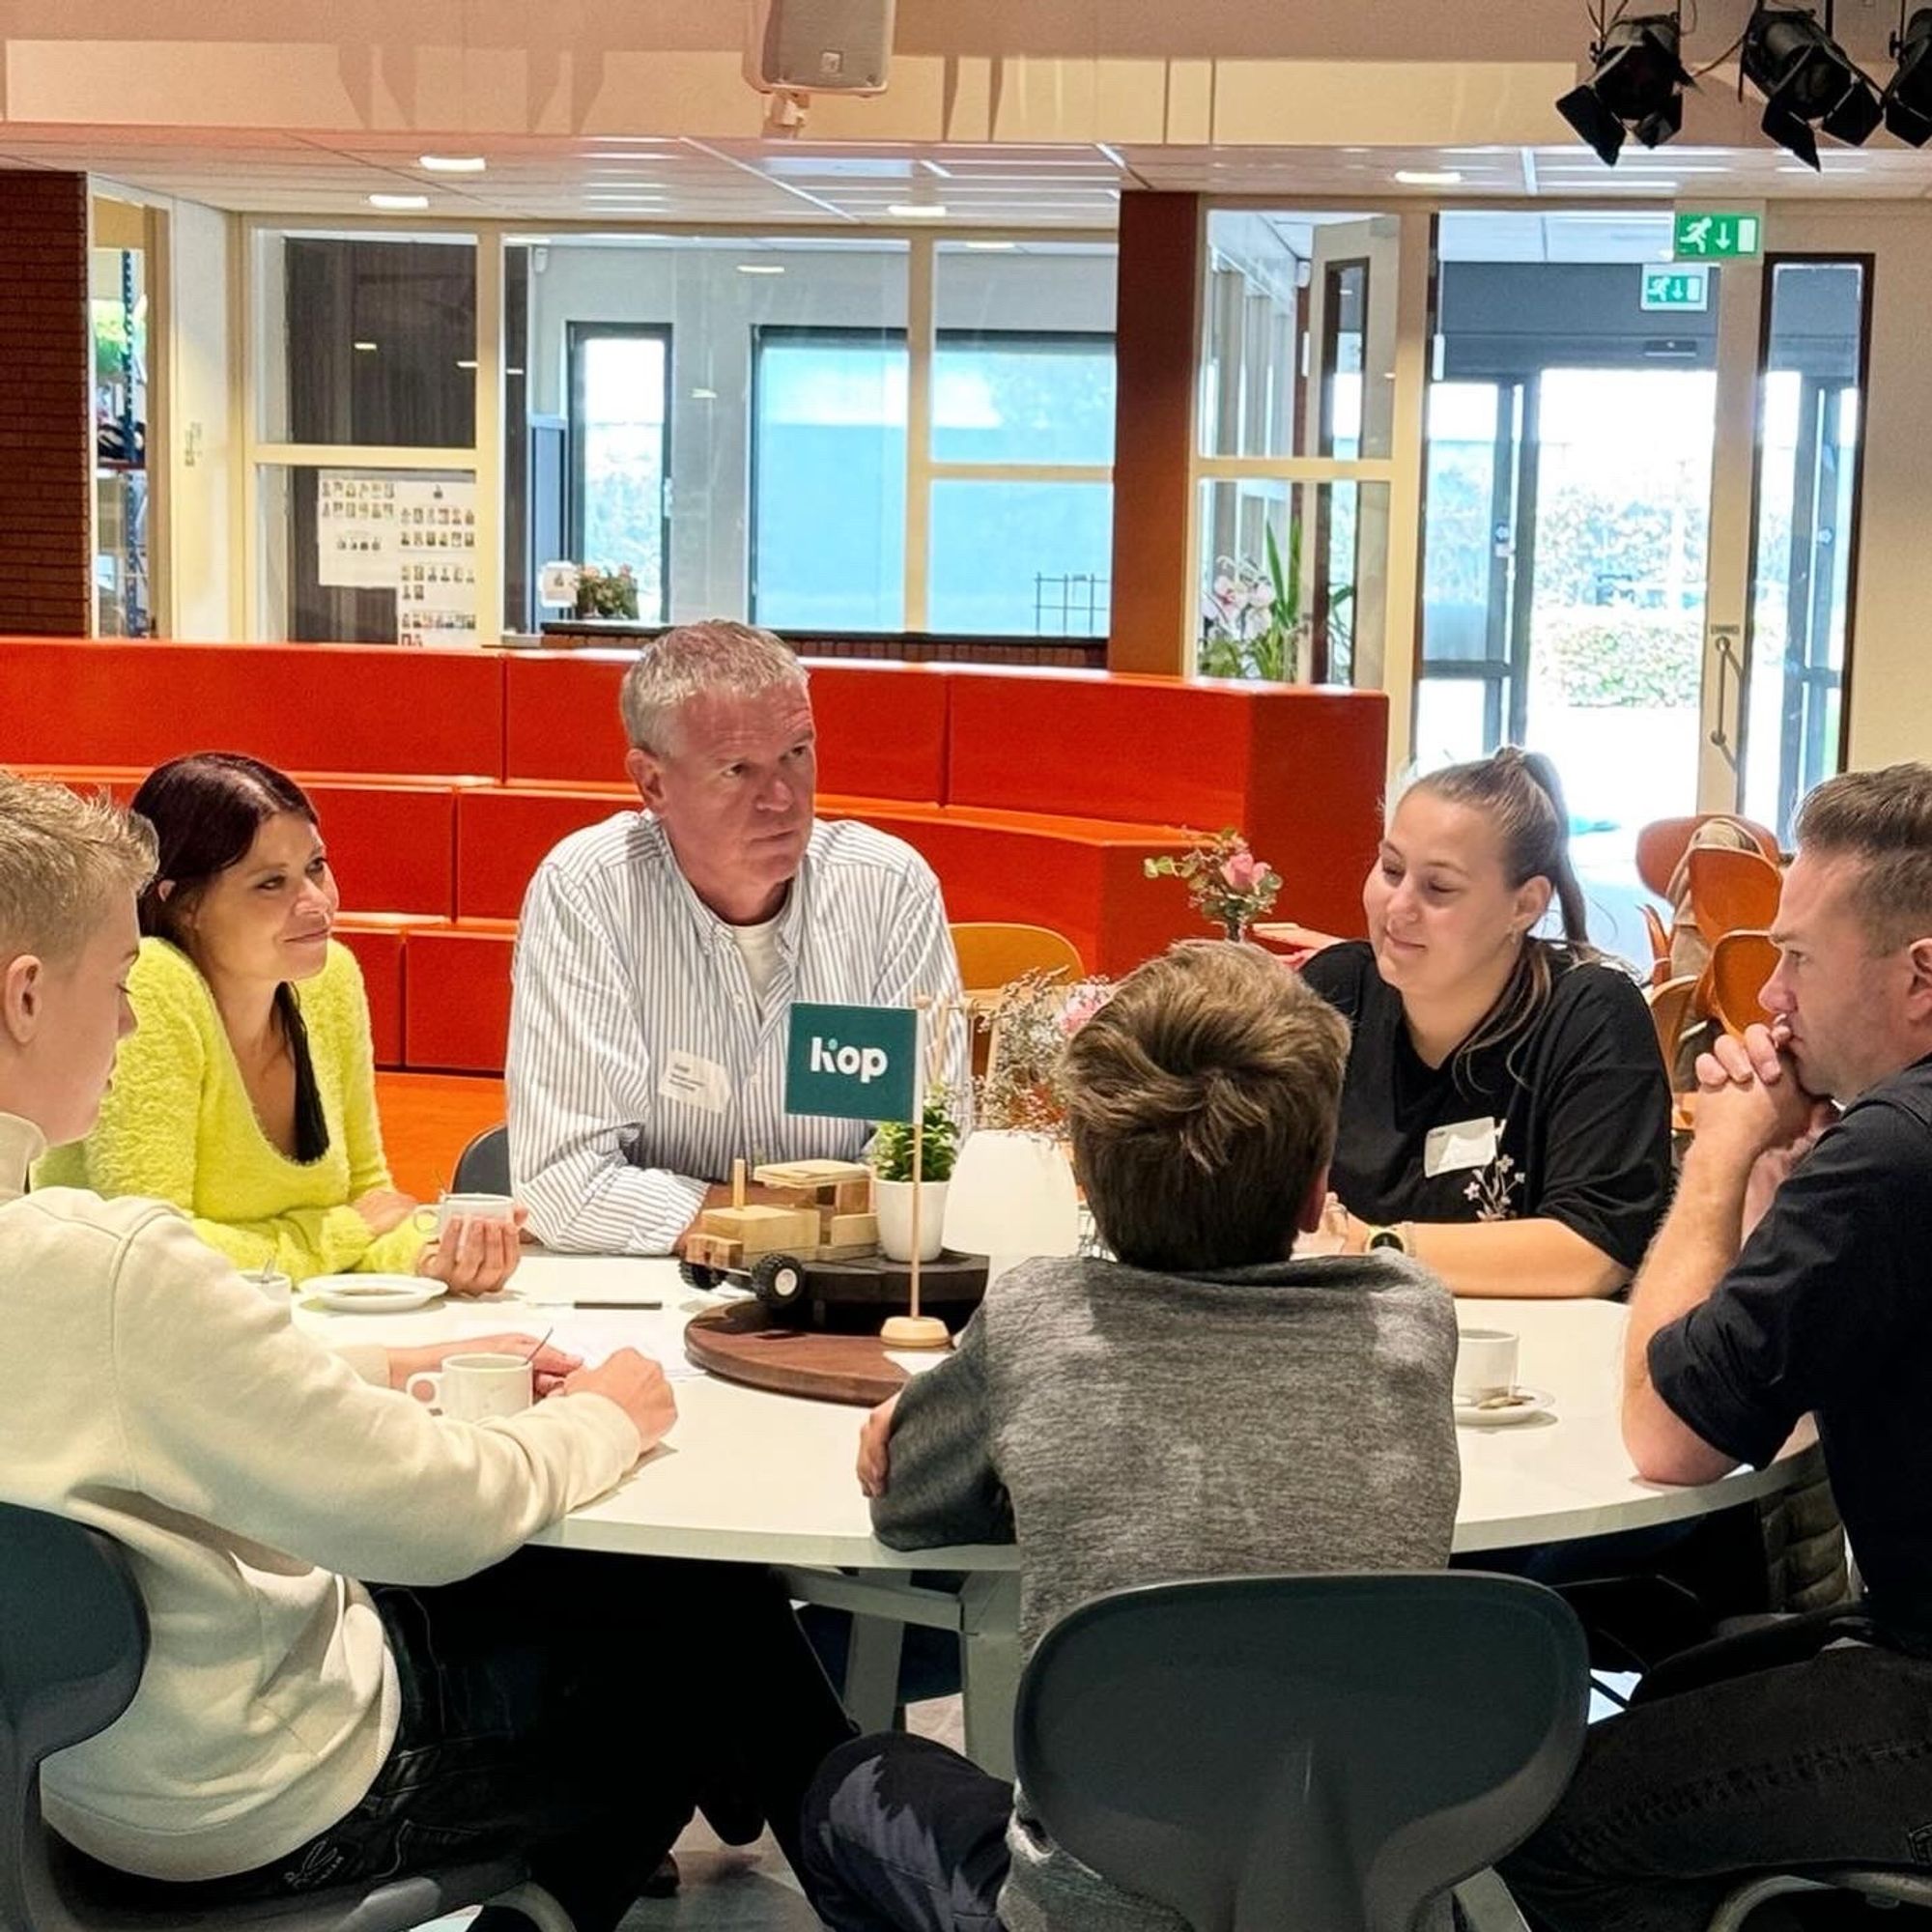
x=1299, y=770
x=503, y=833
x=881, y=727
x=379, y=944
x=457, y=1019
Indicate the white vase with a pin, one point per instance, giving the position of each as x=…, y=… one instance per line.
x=891, y=1201
x=1013, y=1198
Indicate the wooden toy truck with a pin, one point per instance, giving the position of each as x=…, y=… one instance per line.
x=817, y=1247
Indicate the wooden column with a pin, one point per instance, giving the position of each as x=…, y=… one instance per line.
x=46, y=412
x=1156, y=347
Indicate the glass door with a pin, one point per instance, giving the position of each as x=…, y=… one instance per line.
x=621, y=454
x=1569, y=439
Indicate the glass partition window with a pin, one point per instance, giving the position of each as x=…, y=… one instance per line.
x=1294, y=579
x=1805, y=519
x=1298, y=323
x=829, y=480
x=124, y=600
x=367, y=340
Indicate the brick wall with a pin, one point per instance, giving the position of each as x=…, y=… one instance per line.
x=46, y=428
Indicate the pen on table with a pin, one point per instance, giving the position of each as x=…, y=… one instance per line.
x=617, y=1304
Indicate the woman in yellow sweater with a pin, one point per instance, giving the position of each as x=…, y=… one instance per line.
x=248, y=1097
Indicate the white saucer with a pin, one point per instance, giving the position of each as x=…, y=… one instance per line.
x=372, y=1294
x=1540, y=1403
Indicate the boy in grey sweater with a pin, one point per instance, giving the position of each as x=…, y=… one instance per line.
x=1206, y=1405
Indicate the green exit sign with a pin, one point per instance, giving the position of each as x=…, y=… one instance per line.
x=1676, y=289
x=1716, y=237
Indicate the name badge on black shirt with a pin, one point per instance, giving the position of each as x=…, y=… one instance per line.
x=1458, y=1147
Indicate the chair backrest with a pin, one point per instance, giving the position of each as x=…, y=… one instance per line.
x=1303, y=1752
x=1732, y=891
x=1740, y=962
x=1671, y=1006
x=484, y=1166
x=1661, y=844
x=1659, y=946
x=73, y=1637
x=993, y=955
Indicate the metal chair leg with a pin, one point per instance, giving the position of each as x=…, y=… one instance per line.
x=1747, y=1897
x=535, y=1904
x=1486, y=1906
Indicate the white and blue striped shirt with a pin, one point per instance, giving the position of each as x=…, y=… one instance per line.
x=641, y=1063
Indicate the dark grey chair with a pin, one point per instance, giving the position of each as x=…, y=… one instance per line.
x=73, y=1638
x=484, y=1165
x=1882, y=1886
x=1323, y=1752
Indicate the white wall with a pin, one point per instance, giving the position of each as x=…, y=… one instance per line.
x=712, y=310
x=202, y=259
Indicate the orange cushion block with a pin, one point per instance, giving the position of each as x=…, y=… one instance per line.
x=881, y=727
x=457, y=1016
x=390, y=845
x=503, y=836
x=303, y=707
x=379, y=952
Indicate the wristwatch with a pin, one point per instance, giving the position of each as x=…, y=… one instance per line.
x=1395, y=1239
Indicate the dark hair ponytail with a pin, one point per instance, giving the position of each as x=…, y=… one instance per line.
x=206, y=809
x=1522, y=794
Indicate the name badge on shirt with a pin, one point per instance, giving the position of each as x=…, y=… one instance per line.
x=1454, y=1149
x=695, y=1082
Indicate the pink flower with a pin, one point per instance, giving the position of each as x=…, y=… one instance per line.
x=1242, y=871
x=1082, y=1004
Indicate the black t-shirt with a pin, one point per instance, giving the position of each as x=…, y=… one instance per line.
x=1829, y=1311
x=1569, y=1120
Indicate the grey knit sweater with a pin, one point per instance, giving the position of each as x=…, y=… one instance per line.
x=1128, y=1428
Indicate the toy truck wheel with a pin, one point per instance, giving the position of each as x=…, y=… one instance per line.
x=694, y=1274
x=778, y=1280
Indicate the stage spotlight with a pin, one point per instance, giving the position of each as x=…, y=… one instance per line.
x=1634, y=88
x=1907, y=100
x=1807, y=81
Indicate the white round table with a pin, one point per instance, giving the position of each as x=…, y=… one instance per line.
x=748, y=1476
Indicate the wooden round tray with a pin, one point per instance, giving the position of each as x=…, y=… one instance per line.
x=743, y=1343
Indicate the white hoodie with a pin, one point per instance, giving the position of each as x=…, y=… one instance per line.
x=251, y=1474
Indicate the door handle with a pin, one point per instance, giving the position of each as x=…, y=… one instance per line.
x=1730, y=668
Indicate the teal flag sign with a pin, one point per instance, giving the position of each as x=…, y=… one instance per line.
x=852, y=1063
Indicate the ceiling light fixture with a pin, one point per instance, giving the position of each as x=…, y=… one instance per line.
x=453, y=164
x=917, y=210
x=399, y=201
x=760, y=268
x=1807, y=80
x=1429, y=177
x=1635, y=86
x=367, y=347
x=1908, y=99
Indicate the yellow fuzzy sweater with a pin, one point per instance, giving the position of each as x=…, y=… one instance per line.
x=178, y=1127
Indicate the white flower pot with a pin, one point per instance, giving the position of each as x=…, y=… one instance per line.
x=892, y=1201
x=1013, y=1198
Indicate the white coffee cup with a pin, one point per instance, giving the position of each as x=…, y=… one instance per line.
x=473, y=1388
x=473, y=1208
x=1485, y=1363
x=277, y=1289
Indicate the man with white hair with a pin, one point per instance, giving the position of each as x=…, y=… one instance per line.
x=660, y=952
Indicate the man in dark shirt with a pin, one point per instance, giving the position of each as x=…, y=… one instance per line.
x=1793, y=1276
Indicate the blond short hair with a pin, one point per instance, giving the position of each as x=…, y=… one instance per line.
x=64, y=860
x=1203, y=1099
x=1882, y=819
x=716, y=657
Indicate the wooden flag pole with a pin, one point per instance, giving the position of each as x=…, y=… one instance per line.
x=914, y=1330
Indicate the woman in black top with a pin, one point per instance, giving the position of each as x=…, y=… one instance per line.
x=1505, y=1115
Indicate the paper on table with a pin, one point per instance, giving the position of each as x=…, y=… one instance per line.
x=915, y=1361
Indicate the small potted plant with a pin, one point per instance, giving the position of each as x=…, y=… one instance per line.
x=606, y=593
x=893, y=1186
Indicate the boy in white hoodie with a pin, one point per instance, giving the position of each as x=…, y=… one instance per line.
x=294, y=1727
